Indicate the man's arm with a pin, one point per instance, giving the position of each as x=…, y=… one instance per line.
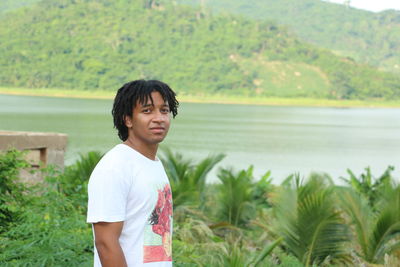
x=107, y=244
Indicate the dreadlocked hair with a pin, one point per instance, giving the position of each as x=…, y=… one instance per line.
x=139, y=91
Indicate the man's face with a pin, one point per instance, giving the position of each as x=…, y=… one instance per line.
x=150, y=121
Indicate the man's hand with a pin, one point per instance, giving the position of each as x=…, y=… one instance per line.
x=107, y=244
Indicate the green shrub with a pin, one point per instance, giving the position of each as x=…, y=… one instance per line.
x=49, y=232
x=73, y=182
x=46, y=224
x=11, y=189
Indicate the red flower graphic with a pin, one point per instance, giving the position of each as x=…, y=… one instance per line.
x=160, y=220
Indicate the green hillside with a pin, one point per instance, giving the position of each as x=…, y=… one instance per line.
x=372, y=38
x=99, y=44
x=9, y=5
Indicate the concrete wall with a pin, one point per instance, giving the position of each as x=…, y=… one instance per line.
x=42, y=149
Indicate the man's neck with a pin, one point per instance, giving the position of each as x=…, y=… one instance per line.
x=149, y=151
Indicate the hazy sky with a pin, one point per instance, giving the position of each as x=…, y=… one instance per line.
x=372, y=5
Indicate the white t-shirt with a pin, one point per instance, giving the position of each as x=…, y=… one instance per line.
x=127, y=186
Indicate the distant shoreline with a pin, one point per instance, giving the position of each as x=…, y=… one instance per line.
x=215, y=99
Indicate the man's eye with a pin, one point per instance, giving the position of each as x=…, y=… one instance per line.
x=147, y=110
x=165, y=110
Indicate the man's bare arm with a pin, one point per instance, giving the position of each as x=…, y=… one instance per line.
x=107, y=244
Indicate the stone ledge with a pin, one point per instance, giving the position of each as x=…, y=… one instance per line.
x=32, y=140
x=42, y=149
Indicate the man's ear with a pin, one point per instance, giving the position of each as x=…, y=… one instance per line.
x=128, y=121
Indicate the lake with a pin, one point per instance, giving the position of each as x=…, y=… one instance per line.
x=281, y=139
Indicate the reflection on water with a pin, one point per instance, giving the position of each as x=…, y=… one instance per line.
x=281, y=139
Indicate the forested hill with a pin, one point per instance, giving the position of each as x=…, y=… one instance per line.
x=372, y=38
x=100, y=44
x=8, y=5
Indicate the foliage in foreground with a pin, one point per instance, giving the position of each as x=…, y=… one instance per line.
x=375, y=231
x=11, y=190
x=188, y=180
x=48, y=228
x=308, y=222
x=308, y=219
x=49, y=232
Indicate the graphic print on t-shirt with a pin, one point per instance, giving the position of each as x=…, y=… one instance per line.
x=158, y=232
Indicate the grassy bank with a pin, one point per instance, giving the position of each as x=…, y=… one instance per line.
x=217, y=98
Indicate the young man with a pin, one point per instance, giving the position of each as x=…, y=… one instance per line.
x=130, y=202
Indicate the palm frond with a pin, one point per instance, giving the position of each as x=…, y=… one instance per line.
x=361, y=215
x=187, y=179
x=374, y=189
x=75, y=177
x=235, y=194
x=386, y=229
x=204, y=167
x=261, y=191
x=86, y=163
x=376, y=231
x=175, y=166
x=264, y=253
x=309, y=222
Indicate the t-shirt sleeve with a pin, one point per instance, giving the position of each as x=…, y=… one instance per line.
x=108, y=194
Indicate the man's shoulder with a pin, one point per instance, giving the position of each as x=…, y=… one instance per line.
x=117, y=157
x=117, y=163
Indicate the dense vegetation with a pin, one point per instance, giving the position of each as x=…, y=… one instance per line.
x=102, y=44
x=238, y=222
x=8, y=5
x=372, y=38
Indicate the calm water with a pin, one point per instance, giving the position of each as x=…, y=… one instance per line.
x=281, y=139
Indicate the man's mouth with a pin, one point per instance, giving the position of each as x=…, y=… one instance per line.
x=157, y=129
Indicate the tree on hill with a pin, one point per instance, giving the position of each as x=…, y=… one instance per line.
x=372, y=38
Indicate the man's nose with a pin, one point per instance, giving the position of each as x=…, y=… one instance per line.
x=160, y=117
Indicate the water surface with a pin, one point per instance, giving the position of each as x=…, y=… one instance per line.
x=281, y=139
